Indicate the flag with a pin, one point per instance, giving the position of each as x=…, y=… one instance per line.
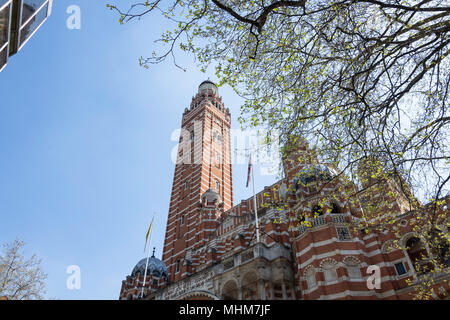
x=249, y=169
x=148, y=232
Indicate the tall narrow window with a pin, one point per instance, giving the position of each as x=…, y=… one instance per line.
x=217, y=137
x=400, y=268
x=218, y=157
x=353, y=270
x=418, y=255
x=182, y=219
x=178, y=266
x=311, y=278
x=329, y=271
x=217, y=185
x=186, y=185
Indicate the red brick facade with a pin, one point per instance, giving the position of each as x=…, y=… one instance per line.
x=210, y=248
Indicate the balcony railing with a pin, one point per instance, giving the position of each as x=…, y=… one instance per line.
x=322, y=220
x=338, y=217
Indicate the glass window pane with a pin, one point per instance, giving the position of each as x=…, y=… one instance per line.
x=4, y=25
x=33, y=24
x=400, y=268
x=30, y=7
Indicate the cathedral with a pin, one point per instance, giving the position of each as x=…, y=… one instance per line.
x=211, y=249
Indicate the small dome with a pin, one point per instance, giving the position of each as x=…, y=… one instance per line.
x=211, y=195
x=207, y=84
x=207, y=81
x=155, y=266
x=312, y=173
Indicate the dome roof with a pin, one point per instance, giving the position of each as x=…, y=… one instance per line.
x=208, y=85
x=207, y=81
x=210, y=195
x=312, y=173
x=155, y=266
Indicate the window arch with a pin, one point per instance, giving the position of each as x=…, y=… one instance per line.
x=230, y=291
x=335, y=208
x=442, y=245
x=388, y=246
x=317, y=210
x=352, y=265
x=218, y=157
x=217, y=185
x=310, y=275
x=329, y=270
x=217, y=137
x=418, y=255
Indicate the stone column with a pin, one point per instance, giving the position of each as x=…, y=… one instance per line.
x=292, y=293
x=262, y=288
x=240, y=293
x=283, y=289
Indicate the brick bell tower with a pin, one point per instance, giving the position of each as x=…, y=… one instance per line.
x=202, y=185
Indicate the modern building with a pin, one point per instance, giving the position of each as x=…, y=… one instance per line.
x=210, y=249
x=19, y=20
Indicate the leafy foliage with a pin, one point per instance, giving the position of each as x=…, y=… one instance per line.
x=20, y=278
x=357, y=79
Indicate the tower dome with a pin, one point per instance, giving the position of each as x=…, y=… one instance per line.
x=312, y=173
x=211, y=195
x=207, y=84
x=155, y=266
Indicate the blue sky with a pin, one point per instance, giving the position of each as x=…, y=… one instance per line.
x=85, y=145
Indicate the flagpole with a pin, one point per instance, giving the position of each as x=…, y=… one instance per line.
x=254, y=205
x=146, y=263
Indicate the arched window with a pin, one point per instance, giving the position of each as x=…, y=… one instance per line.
x=218, y=157
x=217, y=137
x=418, y=255
x=444, y=252
x=353, y=268
x=329, y=271
x=317, y=211
x=442, y=246
x=335, y=208
x=310, y=275
x=230, y=291
x=218, y=185
x=388, y=246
